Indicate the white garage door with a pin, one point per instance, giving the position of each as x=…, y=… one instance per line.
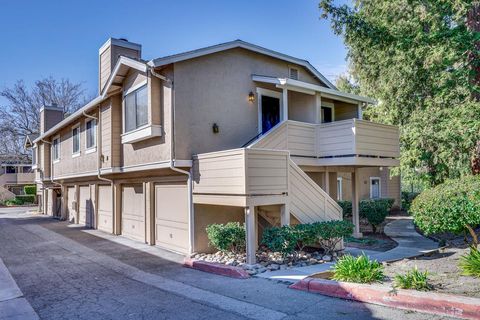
x=171, y=217
x=84, y=205
x=133, y=213
x=71, y=210
x=105, y=210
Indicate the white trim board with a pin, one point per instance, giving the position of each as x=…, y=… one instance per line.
x=268, y=93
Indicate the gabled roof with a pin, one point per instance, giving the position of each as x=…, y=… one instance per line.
x=121, y=67
x=239, y=44
x=29, y=138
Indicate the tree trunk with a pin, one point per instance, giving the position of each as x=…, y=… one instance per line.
x=474, y=236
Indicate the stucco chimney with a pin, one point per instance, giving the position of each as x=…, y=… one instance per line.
x=109, y=53
x=50, y=116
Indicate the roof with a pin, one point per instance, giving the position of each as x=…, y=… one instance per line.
x=14, y=159
x=29, y=138
x=239, y=44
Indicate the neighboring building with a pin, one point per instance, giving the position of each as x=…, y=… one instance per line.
x=232, y=132
x=15, y=173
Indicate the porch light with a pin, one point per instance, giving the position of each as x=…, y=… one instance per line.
x=251, y=97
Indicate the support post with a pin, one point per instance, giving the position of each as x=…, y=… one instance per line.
x=318, y=108
x=149, y=189
x=77, y=204
x=355, y=204
x=251, y=234
x=285, y=215
x=327, y=181
x=285, y=104
x=117, y=208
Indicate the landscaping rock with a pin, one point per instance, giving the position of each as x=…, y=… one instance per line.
x=327, y=258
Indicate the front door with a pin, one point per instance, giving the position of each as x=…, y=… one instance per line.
x=270, y=112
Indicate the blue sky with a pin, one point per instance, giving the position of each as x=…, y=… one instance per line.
x=61, y=38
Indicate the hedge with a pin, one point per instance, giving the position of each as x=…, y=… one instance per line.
x=30, y=189
x=407, y=199
x=287, y=239
x=26, y=198
x=227, y=237
x=375, y=210
x=453, y=206
x=346, y=207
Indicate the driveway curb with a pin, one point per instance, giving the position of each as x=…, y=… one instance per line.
x=216, y=268
x=428, y=302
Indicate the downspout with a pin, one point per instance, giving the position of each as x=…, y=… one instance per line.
x=172, y=164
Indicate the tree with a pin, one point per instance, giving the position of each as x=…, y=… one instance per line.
x=419, y=59
x=21, y=115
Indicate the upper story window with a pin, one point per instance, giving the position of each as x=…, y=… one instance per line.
x=90, y=130
x=10, y=169
x=136, y=109
x=293, y=73
x=56, y=149
x=76, y=140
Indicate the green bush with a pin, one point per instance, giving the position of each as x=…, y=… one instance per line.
x=407, y=199
x=330, y=233
x=346, y=207
x=470, y=263
x=281, y=239
x=14, y=202
x=227, y=237
x=453, y=206
x=305, y=235
x=32, y=189
x=375, y=210
x=359, y=270
x=413, y=279
x=26, y=198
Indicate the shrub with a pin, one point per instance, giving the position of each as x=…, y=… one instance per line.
x=375, y=210
x=32, y=189
x=407, y=198
x=413, y=279
x=14, y=202
x=305, y=235
x=281, y=239
x=470, y=263
x=346, y=207
x=359, y=270
x=26, y=198
x=227, y=237
x=453, y=206
x=330, y=233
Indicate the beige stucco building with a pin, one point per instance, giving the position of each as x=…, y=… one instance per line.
x=232, y=132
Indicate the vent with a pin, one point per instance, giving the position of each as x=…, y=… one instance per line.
x=293, y=73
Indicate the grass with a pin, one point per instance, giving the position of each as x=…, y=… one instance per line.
x=470, y=263
x=359, y=270
x=413, y=279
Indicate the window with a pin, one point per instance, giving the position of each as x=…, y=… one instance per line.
x=327, y=114
x=339, y=189
x=76, y=140
x=136, y=109
x=10, y=169
x=56, y=149
x=90, y=128
x=375, y=188
x=293, y=73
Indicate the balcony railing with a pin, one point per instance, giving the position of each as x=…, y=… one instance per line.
x=351, y=137
x=17, y=178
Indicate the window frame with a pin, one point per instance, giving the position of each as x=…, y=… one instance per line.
x=34, y=157
x=134, y=90
x=52, y=151
x=379, y=187
x=93, y=147
x=340, y=188
x=76, y=153
x=290, y=73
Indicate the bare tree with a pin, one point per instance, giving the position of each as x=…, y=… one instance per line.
x=21, y=115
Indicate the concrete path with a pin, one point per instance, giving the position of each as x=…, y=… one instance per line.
x=402, y=230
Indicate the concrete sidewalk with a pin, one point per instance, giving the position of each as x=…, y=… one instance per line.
x=402, y=230
x=12, y=303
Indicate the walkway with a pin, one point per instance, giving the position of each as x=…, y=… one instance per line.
x=402, y=230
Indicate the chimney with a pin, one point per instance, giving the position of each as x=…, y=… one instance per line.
x=50, y=116
x=109, y=53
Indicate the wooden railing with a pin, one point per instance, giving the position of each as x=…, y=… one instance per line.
x=241, y=172
x=351, y=137
x=17, y=178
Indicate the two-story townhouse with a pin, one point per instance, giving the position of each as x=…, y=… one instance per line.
x=15, y=173
x=231, y=132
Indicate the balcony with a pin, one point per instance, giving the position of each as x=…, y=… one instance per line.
x=17, y=178
x=344, y=142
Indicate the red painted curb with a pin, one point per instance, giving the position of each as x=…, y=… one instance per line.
x=434, y=303
x=216, y=268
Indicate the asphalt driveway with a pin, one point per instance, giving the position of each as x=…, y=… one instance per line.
x=67, y=272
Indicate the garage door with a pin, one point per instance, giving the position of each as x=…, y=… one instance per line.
x=105, y=210
x=71, y=210
x=83, y=204
x=171, y=217
x=133, y=214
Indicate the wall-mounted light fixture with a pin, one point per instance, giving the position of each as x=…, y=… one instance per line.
x=215, y=128
x=251, y=97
